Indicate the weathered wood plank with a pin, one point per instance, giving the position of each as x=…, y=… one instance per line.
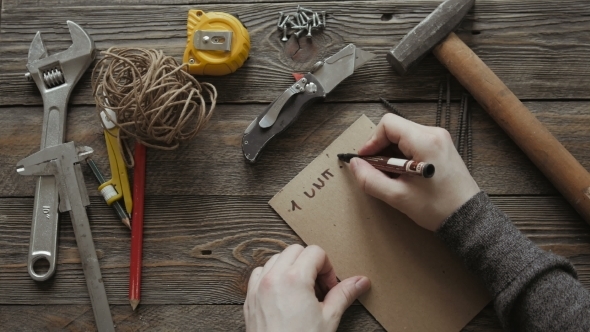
x=180, y=318
x=39, y=3
x=213, y=162
x=201, y=249
x=155, y=318
x=538, y=48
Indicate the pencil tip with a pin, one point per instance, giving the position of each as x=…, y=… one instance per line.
x=134, y=304
x=126, y=222
x=346, y=156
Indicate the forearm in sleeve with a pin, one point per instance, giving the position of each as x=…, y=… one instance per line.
x=533, y=290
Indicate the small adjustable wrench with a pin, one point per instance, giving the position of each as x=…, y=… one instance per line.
x=62, y=163
x=55, y=76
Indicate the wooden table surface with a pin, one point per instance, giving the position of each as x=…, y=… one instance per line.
x=207, y=221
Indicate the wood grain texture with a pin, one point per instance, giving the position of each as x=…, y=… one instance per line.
x=538, y=48
x=39, y=3
x=204, y=318
x=213, y=164
x=201, y=249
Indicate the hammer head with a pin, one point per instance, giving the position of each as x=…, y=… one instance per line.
x=426, y=35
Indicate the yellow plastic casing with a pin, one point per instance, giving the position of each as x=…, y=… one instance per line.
x=119, y=180
x=215, y=63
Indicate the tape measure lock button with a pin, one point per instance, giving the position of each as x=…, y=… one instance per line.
x=217, y=43
x=213, y=40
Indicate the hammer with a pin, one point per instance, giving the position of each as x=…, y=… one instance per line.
x=435, y=33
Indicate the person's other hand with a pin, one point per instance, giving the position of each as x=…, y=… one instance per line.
x=426, y=201
x=297, y=290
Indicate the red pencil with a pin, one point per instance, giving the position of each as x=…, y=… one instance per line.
x=137, y=226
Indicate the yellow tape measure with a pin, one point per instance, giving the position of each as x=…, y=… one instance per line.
x=217, y=43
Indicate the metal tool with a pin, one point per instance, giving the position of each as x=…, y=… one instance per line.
x=62, y=163
x=217, y=43
x=55, y=76
x=306, y=20
x=435, y=33
x=312, y=87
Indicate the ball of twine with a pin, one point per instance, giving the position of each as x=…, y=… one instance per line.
x=156, y=102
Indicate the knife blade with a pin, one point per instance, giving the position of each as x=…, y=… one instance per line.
x=311, y=88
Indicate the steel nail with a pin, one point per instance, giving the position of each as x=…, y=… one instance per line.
x=284, y=34
x=281, y=15
x=306, y=17
x=299, y=33
x=285, y=21
x=303, y=9
x=303, y=20
x=308, y=30
x=323, y=18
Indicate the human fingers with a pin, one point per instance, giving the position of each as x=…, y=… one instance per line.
x=390, y=130
x=374, y=183
x=254, y=279
x=326, y=280
x=313, y=262
x=252, y=286
x=287, y=257
x=342, y=295
x=270, y=263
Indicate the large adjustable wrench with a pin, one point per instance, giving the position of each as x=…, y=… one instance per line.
x=62, y=163
x=55, y=76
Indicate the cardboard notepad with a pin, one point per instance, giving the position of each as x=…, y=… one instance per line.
x=417, y=284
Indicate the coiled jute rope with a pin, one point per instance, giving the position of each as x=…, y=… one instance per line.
x=156, y=102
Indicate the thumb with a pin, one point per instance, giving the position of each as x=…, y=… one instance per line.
x=342, y=295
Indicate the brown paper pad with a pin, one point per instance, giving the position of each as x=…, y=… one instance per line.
x=417, y=283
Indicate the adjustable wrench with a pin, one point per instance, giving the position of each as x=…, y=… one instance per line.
x=55, y=76
x=62, y=163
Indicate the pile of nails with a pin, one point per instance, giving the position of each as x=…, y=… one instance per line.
x=303, y=21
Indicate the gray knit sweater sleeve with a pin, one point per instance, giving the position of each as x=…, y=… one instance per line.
x=533, y=290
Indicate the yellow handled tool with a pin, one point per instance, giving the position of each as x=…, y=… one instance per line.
x=117, y=187
x=217, y=43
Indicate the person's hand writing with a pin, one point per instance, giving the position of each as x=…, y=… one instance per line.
x=297, y=290
x=426, y=201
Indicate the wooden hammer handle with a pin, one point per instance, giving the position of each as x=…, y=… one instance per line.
x=544, y=150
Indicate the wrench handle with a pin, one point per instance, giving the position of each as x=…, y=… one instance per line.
x=542, y=148
x=43, y=244
x=44, y=229
x=54, y=119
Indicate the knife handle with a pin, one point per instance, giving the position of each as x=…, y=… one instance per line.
x=256, y=138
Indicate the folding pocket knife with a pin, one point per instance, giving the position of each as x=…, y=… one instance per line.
x=313, y=86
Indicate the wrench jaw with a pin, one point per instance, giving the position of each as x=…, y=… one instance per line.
x=60, y=71
x=37, y=49
x=81, y=41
